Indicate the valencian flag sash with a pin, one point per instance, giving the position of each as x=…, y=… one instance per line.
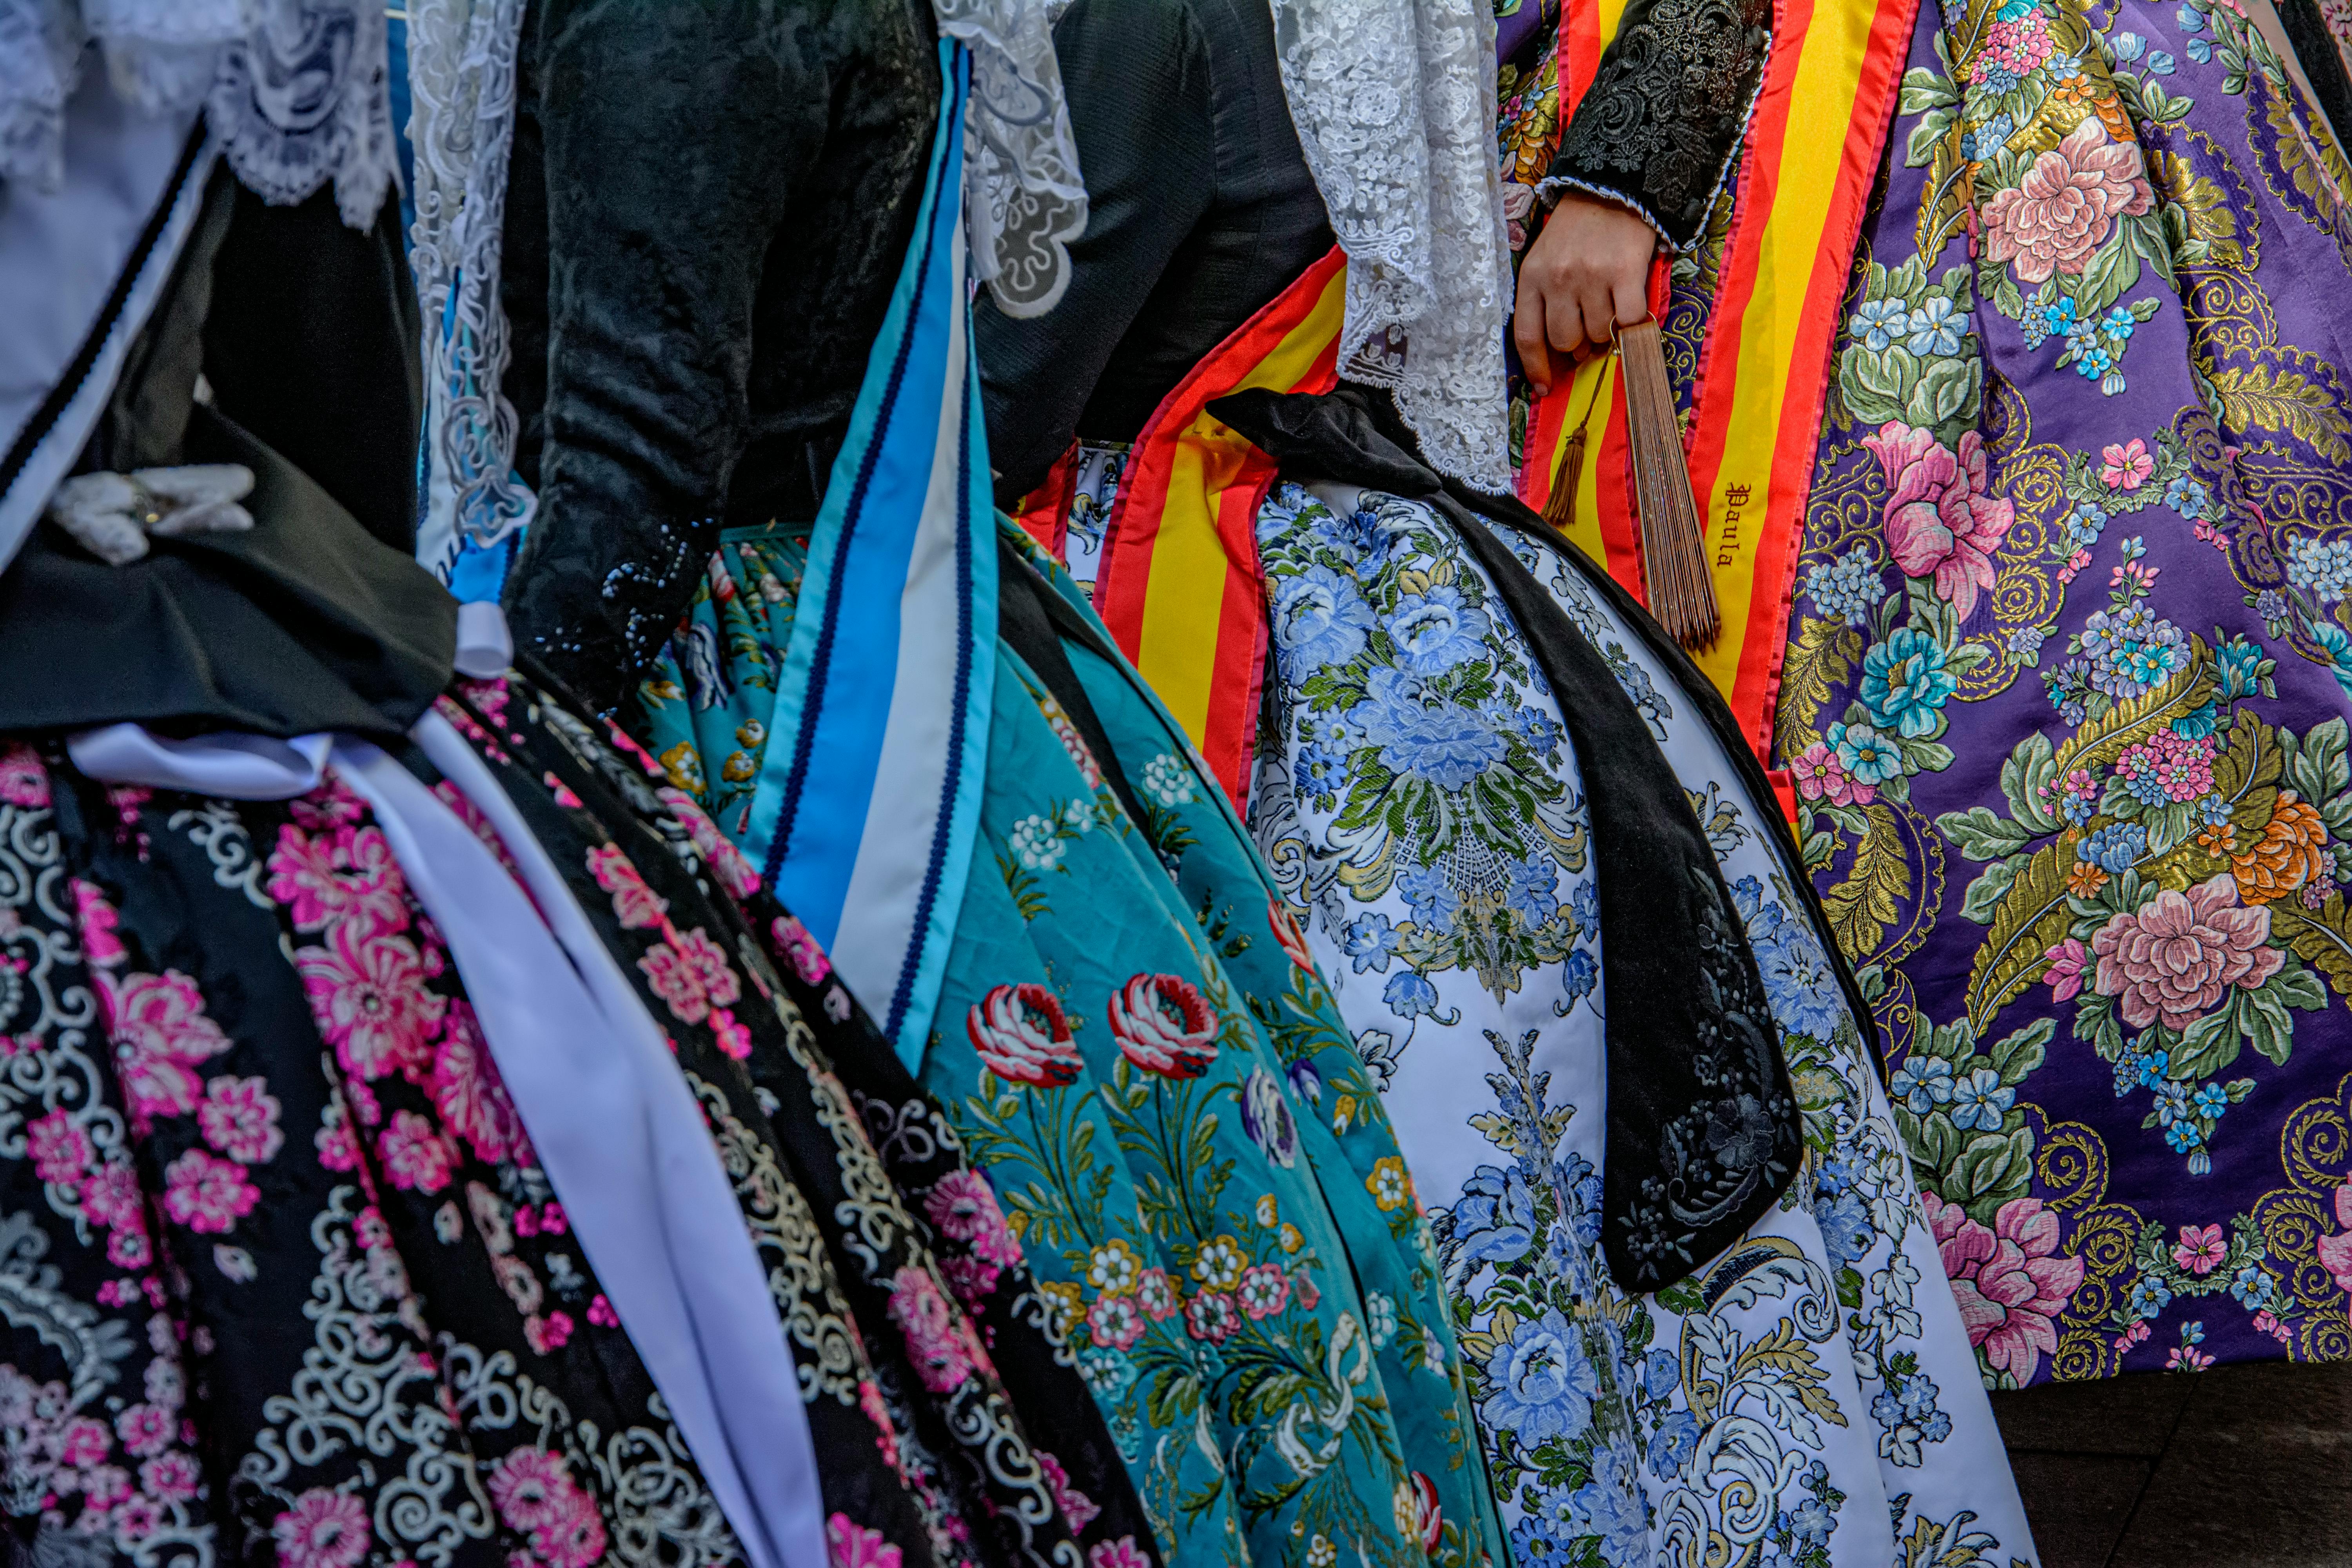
x=868, y=795
x=1179, y=586
x=1810, y=153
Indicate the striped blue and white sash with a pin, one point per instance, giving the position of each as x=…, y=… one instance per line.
x=868, y=795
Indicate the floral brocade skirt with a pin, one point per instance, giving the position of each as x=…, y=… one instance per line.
x=1135, y=1049
x=2066, y=684
x=281, y=1276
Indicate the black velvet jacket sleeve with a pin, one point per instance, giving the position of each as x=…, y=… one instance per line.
x=729, y=188
x=1657, y=128
x=1200, y=210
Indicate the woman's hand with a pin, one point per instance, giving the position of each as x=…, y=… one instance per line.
x=1587, y=271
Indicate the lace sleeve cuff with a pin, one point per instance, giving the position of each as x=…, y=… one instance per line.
x=1657, y=128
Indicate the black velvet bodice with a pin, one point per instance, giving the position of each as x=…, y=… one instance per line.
x=1200, y=210
x=708, y=207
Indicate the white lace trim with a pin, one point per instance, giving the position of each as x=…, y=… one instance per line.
x=1025, y=200
x=1395, y=101
x=295, y=90
x=462, y=69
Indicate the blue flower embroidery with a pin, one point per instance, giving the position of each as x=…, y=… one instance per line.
x=1543, y=1384
x=1435, y=631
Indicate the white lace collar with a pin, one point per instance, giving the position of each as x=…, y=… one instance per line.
x=295, y=90
x=1024, y=199
x=1395, y=101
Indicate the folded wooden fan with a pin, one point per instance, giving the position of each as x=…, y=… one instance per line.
x=1674, y=551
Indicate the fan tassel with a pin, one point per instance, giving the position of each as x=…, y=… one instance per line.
x=1674, y=552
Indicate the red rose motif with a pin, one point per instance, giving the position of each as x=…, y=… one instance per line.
x=1164, y=1025
x=1940, y=521
x=1023, y=1038
x=2055, y=218
x=1427, y=1517
x=1288, y=932
x=2010, y=1281
x=2173, y=957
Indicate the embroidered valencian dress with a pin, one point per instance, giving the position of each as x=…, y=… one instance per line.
x=2065, y=690
x=284, y=1264
x=935, y=761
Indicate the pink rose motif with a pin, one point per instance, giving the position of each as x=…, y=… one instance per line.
x=1121, y=1553
x=322, y=1529
x=548, y=1334
x=531, y=1488
x=160, y=1030
x=97, y=918
x=2127, y=466
x=733, y=1036
x=935, y=1337
x=338, y=1146
x=1287, y=932
x=1940, y=520
x=792, y=939
x=205, y=1194
x=1211, y=1316
x=83, y=1443
x=2173, y=957
x=414, y=1154
x=1114, y=1321
x=170, y=1478
x=239, y=1118
x=2056, y=217
x=1820, y=775
x=2201, y=1249
x=23, y=780
x=1263, y=1291
x=964, y=1208
x=970, y=1279
x=2009, y=1281
x=112, y=1198
x=60, y=1152
x=1164, y=1025
x=689, y=973
x=2335, y=1251
x=467, y=1091
x=634, y=905
x=1077, y=1506
x=718, y=851
x=573, y=1541
x=1023, y=1038
x=855, y=1546
x=351, y=875
x=144, y=1429
x=2065, y=971
x=368, y=993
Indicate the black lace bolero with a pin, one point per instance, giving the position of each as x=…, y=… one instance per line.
x=1657, y=128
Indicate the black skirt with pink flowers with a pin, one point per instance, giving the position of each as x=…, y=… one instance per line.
x=282, y=1277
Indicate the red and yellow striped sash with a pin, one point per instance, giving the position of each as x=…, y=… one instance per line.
x=1179, y=586
x=1811, y=152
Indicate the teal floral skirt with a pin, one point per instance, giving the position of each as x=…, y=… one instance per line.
x=1135, y=1048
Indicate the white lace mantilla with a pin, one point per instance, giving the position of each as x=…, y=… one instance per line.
x=1025, y=199
x=462, y=57
x=1395, y=101
x=295, y=90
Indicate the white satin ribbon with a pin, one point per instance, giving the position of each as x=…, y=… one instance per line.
x=592, y=1076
